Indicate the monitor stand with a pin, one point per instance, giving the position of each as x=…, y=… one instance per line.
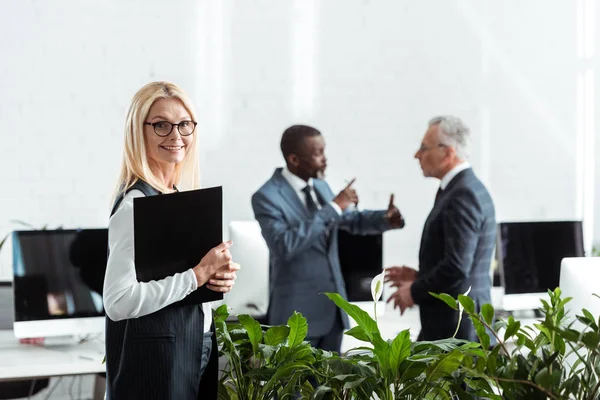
x=58, y=341
x=525, y=314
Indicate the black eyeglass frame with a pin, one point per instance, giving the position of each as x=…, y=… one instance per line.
x=153, y=124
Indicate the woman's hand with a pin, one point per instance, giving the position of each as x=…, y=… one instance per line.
x=224, y=279
x=214, y=261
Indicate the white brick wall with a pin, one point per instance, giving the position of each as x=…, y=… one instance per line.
x=376, y=71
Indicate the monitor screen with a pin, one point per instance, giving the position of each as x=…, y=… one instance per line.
x=530, y=253
x=58, y=275
x=361, y=259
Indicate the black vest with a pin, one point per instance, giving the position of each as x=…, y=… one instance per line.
x=158, y=356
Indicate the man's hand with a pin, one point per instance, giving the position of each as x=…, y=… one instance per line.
x=397, y=275
x=347, y=196
x=402, y=298
x=393, y=215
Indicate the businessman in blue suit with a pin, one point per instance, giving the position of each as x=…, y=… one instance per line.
x=299, y=217
x=458, y=237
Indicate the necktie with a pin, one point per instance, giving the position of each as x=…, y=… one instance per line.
x=310, y=202
x=437, y=195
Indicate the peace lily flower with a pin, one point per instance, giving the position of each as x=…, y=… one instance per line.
x=460, y=311
x=377, y=290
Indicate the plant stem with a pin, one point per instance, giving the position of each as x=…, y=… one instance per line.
x=529, y=383
x=500, y=342
x=375, y=310
x=592, y=395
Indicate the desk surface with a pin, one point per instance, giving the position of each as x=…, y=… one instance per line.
x=21, y=361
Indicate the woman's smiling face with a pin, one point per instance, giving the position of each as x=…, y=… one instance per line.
x=171, y=149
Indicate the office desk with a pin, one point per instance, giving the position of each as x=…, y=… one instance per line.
x=26, y=361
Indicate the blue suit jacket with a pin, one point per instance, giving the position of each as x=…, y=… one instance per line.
x=303, y=251
x=456, y=253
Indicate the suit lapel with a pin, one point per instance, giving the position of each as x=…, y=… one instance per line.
x=289, y=194
x=321, y=195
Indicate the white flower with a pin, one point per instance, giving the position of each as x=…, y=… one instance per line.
x=377, y=286
x=460, y=311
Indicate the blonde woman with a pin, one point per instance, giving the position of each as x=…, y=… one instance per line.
x=154, y=351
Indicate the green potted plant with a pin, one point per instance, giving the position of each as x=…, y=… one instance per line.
x=276, y=362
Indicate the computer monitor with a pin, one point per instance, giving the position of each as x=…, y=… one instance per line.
x=580, y=279
x=57, y=284
x=251, y=295
x=529, y=258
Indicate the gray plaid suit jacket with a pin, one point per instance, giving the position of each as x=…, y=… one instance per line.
x=456, y=253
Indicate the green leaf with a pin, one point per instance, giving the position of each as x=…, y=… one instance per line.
x=221, y=313
x=590, y=339
x=492, y=363
x=223, y=394
x=543, y=378
x=400, y=350
x=302, y=352
x=276, y=335
x=480, y=330
x=445, y=366
x=544, y=329
x=487, y=311
x=445, y=345
x=284, y=373
x=321, y=392
x=254, y=330
x=467, y=303
x=358, y=332
x=267, y=351
x=511, y=329
x=362, y=318
x=521, y=339
x=591, y=318
x=353, y=384
x=446, y=298
x=261, y=374
x=298, y=329
x=570, y=335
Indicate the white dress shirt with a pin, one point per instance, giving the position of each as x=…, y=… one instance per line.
x=125, y=297
x=452, y=173
x=298, y=184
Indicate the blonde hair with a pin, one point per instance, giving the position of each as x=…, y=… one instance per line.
x=135, y=164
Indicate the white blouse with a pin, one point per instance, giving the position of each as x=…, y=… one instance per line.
x=125, y=297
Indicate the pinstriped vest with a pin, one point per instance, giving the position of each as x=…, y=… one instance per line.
x=158, y=356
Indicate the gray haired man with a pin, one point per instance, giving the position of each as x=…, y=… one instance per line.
x=458, y=237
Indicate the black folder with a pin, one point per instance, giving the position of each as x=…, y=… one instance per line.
x=172, y=232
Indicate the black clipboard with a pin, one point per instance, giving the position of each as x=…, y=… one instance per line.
x=172, y=232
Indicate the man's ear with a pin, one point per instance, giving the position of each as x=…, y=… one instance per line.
x=293, y=160
x=450, y=153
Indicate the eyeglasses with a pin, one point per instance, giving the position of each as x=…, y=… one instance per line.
x=164, y=128
x=424, y=148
